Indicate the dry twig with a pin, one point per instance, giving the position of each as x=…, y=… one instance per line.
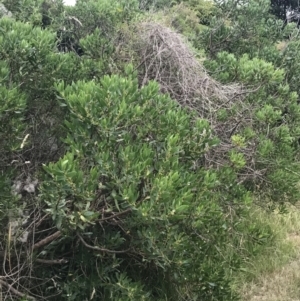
x=15, y=292
x=96, y=248
x=47, y=240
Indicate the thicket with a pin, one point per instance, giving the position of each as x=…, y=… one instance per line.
x=134, y=137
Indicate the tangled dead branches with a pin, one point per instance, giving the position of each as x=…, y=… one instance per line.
x=166, y=58
x=164, y=55
x=20, y=257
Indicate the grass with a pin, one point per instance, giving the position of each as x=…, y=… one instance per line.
x=274, y=275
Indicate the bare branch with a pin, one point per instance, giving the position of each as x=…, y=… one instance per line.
x=51, y=261
x=100, y=249
x=16, y=292
x=47, y=240
x=115, y=215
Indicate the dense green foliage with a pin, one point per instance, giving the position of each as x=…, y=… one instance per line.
x=120, y=180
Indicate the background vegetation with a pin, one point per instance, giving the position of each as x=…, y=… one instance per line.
x=148, y=148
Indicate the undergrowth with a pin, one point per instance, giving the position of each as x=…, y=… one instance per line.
x=274, y=273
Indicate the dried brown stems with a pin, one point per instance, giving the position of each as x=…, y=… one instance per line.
x=19, y=259
x=165, y=56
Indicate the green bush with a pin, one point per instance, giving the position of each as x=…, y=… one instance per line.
x=12, y=106
x=104, y=15
x=241, y=28
x=288, y=60
x=185, y=20
x=204, y=9
x=271, y=122
x=154, y=223
x=37, y=12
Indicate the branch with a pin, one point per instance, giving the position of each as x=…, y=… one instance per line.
x=100, y=249
x=46, y=240
x=51, y=261
x=115, y=215
x=16, y=292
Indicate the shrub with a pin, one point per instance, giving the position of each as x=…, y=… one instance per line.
x=111, y=189
x=268, y=126
x=127, y=180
